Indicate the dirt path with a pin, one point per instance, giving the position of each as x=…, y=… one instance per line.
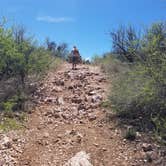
x=68, y=127
x=70, y=122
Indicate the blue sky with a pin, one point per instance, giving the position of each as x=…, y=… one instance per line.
x=84, y=23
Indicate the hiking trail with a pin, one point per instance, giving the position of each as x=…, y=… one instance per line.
x=68, y=127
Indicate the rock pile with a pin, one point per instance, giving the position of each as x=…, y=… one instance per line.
x=68, y=127
x=10, y=148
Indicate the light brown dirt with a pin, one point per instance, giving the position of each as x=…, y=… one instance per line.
x=69, y=120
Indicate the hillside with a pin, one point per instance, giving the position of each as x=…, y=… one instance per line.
x=69, y=127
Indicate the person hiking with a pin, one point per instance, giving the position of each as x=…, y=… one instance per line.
x=75, y=57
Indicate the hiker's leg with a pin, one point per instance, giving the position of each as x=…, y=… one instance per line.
x=76, y=62
x=72, y=62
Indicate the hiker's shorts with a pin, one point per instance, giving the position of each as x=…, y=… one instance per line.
x=74, y=59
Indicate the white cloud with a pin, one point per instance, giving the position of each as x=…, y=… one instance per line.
x=50, y=19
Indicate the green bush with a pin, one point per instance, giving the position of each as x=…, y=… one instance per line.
x=10, y=124
x=23, y=62
x=160, y=128
x=130, y=134
x=138, y=88
x=8, y=109
x=110, y=64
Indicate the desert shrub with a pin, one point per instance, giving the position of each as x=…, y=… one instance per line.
x=130, y=134
x=96, y=59
x=7, y=124
x=160, y=128
x=110, y=64
x=8, y=109
x=23, y=63
x=139, y=94
x=126, y=43
x=57, y=50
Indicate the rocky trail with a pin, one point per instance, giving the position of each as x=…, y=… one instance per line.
x=69, y=127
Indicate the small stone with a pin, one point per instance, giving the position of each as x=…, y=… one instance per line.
x=100, y=125
x=59, y=82
x=5, y=143
x=65, y=116
x=50, y=100
x=14, y=139
x=55, y=141
x=70, y=87
x=96, y=144
x=96, y=98
x=59, y=135
x=81, y=107
x=78, y=138
x=93, y=106
x=104, y=149
x=48, y=113
x=56, y=89
x=102, y=79
x=76, y=100
x=92, y=117
x=73, y=132
x=60, y=101
x=40, y=127
x=80, y=159
x=56, y=115
x=91, y=93
x=46, y=135
x=147, y=147
x=81, y=122
x=50, y=121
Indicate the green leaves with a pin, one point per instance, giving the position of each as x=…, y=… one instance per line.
x=138, y=90
x=22, y=62
x=20, y=56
